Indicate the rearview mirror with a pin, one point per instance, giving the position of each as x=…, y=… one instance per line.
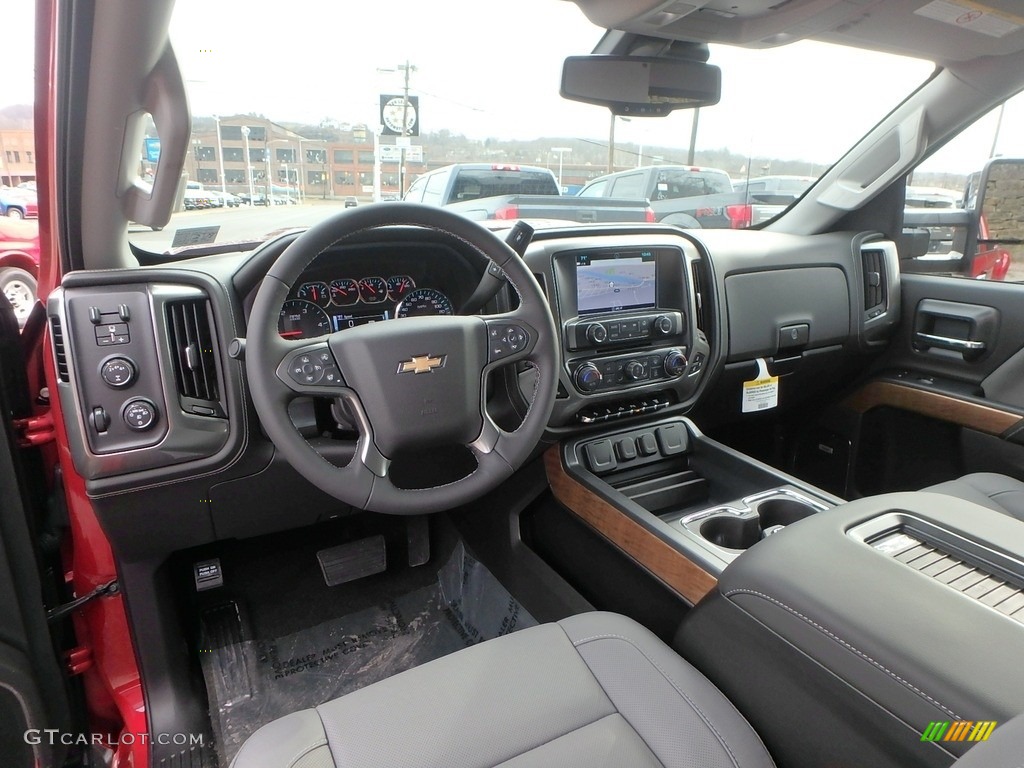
x=640, y=86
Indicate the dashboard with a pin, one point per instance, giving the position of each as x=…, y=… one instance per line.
x=648, y=319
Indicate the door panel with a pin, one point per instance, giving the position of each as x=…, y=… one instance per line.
x=947, y=397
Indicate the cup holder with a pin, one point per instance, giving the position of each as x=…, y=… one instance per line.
x=782, y=511
x=768, y=514
x=731, y=532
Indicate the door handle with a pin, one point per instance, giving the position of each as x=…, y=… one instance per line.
x=947, y=342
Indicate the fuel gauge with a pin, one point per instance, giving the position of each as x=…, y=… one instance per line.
x=373, y=290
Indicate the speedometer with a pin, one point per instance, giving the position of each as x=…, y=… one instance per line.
x=302, y=319
x=424, y=301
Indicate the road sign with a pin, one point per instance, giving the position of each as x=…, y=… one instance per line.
x=390, y=153
x=152, y=150
x=393, y=109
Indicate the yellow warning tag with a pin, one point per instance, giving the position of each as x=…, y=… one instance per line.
x=762, y=393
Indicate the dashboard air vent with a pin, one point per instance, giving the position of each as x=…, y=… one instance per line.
x=190, y=328
x=874, y=278
x=59, y=350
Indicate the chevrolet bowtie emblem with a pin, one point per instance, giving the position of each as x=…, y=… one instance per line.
x=421, y=364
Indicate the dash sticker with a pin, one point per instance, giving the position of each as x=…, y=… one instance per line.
x=762, y=393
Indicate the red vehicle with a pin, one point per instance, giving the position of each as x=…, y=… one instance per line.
x=19, y=264
x=991, y=262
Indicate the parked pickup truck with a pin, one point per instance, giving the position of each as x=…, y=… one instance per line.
x=481, y=191
x=687, y=196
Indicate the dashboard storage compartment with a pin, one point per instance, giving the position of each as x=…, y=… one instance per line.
x=836, y=603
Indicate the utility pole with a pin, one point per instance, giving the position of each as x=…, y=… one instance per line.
x=693, y=136
x=611, y=144
x=405, y=127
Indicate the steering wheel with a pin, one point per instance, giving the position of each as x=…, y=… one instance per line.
x=411, y=384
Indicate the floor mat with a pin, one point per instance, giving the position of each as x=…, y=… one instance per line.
x=251, y=682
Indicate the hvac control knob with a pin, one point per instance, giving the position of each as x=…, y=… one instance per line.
x=636, y=370
x=588, y=377
x=663, y=324
x=597, y=333
x=675, y=362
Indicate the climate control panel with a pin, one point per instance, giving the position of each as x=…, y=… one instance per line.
x=633, y=368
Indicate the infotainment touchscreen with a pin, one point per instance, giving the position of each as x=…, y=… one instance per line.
x=610, y=281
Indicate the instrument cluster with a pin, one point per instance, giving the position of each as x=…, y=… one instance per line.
x=320, y=307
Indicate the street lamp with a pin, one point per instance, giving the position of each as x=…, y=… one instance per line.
x=561, y=151
x=196, y=143
x=220, y=158
x=248, y=166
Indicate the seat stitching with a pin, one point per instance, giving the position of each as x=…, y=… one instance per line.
x=326, y=741
x=669, y=680
x=847, y=645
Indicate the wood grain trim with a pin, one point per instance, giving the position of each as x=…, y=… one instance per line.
x=975, y=416
x=660, y=558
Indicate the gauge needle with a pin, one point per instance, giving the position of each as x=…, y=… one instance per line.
x=290, y=333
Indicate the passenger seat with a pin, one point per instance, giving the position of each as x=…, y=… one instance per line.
x=999, y=492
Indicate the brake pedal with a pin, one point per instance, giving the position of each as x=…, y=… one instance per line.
x=355, y=560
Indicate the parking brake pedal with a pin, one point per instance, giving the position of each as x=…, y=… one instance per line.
x=348, y=562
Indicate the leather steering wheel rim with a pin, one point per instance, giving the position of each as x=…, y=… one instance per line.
x=403, y=379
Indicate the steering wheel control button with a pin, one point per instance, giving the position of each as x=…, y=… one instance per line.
x=118, y=372
x=505, y=340
x=600, y=456
x=139, y=415
x=332, y=375
x=647, y=444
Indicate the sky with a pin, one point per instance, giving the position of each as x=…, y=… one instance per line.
x=492, y=70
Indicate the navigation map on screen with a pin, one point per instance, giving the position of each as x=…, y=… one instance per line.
x=621, y=282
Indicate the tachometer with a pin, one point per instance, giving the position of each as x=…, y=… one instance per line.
x=424, y=301
x=344, y=291
x=302, y=319
x=373, y=290
x=317, y=292
x=399, y=286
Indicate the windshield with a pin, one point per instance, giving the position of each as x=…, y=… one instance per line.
x=358, y=104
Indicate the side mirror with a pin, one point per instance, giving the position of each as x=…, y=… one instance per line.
x=640, y=86
x=1000, y=201
x=998, y=216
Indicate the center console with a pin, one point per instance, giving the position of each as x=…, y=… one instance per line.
x=669, y=487
x=628, y=320
x=853, y=632
x=836, y=628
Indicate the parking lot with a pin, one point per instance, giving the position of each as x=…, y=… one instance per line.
x=236, y=223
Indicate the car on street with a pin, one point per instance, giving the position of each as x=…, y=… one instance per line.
x=18, y=203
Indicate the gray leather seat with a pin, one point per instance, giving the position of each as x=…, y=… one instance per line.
x=999, y=492
x=593, y=690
